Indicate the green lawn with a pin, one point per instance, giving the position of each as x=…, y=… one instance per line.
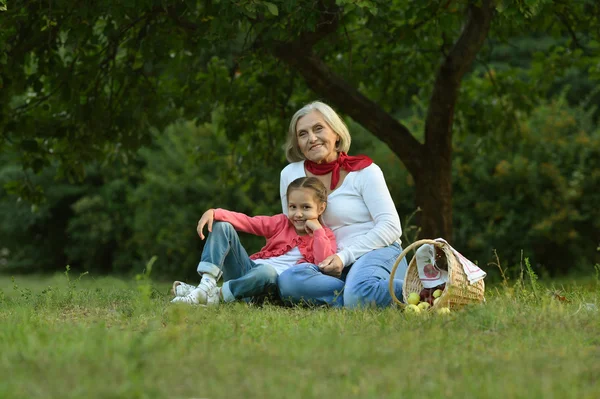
x=111, y=338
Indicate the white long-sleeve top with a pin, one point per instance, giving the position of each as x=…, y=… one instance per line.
x=361, y=212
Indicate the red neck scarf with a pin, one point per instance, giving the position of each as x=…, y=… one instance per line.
x=348, y=163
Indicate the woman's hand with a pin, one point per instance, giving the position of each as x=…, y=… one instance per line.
x=332, y=265
x=311, y=225
x=207, y=218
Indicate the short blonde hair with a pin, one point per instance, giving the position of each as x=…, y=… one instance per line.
x=292, y=151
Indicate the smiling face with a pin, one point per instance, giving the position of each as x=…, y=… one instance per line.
x=316, y=139
x=302, y=206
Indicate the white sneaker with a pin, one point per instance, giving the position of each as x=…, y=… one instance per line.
x=182, y=289
x=207, y=293
x=193, y=298
x=213, y=298
x=199, y=297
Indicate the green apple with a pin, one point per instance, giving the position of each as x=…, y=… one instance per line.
x=412, y=309
x=443, y=311
x=414, y=298
x=435, y=301
x=424, y=306
x=437, y=293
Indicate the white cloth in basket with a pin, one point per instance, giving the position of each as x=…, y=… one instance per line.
x=430, y=275
x=473, y=272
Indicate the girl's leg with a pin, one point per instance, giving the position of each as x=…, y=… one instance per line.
x=367, y=283
x=223, y=254
x=261, y=279
x=305, y=284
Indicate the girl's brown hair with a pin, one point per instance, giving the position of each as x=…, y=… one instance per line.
x=319, y=189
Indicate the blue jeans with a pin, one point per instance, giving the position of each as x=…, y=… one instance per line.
x=224, y=255
x=364, y=284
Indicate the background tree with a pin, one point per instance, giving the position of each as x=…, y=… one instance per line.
x=80, y=80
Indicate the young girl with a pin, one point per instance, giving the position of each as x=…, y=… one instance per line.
x=298, y=237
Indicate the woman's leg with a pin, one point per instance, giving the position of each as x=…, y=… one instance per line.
x=305, y=284
x=367, y=283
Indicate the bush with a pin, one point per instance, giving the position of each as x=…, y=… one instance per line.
x=33, y=236
x=189, y=170
x=535, y=191
x=130, y=209
x=538, y=192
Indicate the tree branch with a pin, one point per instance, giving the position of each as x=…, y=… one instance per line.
x=440, y=115
x=323, y=81
x=565, y=21
x=350, y=101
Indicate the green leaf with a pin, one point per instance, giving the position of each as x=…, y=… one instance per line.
x=272, y=8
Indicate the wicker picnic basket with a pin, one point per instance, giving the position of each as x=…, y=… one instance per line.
x=458, y=291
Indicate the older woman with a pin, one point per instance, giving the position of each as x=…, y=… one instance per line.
x=360, y=211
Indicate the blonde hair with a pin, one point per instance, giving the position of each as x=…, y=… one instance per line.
x=312, y=183
x=292, y=151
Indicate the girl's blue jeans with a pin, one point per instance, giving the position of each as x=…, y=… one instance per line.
x=224, y=255
x=364, y=284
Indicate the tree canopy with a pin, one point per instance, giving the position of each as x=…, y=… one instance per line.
x=82, y=80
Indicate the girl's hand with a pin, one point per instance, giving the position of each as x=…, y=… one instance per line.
x=332, y=265
x=311, y=225
x=207, y=218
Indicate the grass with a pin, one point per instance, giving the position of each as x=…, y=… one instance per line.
x=64, y=337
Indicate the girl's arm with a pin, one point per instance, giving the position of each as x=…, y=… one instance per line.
x=265, y=226
x=378, y=200
x=324, y=244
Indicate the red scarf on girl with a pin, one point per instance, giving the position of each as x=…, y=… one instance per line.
x=348, y=163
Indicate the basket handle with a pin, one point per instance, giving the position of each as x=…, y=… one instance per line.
x=400, y=257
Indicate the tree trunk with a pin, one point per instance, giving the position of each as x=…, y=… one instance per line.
x=433, y=185
x=433, y=180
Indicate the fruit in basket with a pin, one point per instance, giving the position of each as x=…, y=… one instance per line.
x=412, y=309
x=424, y=306
x=435, y=301
x=414, y=298
x=445, y=310
x=437, y=293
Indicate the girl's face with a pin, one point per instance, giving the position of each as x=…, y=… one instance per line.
x=303, y=206
x=316, y=140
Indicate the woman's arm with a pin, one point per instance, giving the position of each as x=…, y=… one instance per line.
x=324, y=244
x=373, y=189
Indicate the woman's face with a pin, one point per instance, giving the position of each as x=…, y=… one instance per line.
x=316, y=140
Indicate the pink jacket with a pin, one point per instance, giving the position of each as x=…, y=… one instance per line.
x=281, y=236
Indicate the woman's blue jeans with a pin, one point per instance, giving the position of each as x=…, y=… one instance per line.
x=364, y=284
x=224, y=255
